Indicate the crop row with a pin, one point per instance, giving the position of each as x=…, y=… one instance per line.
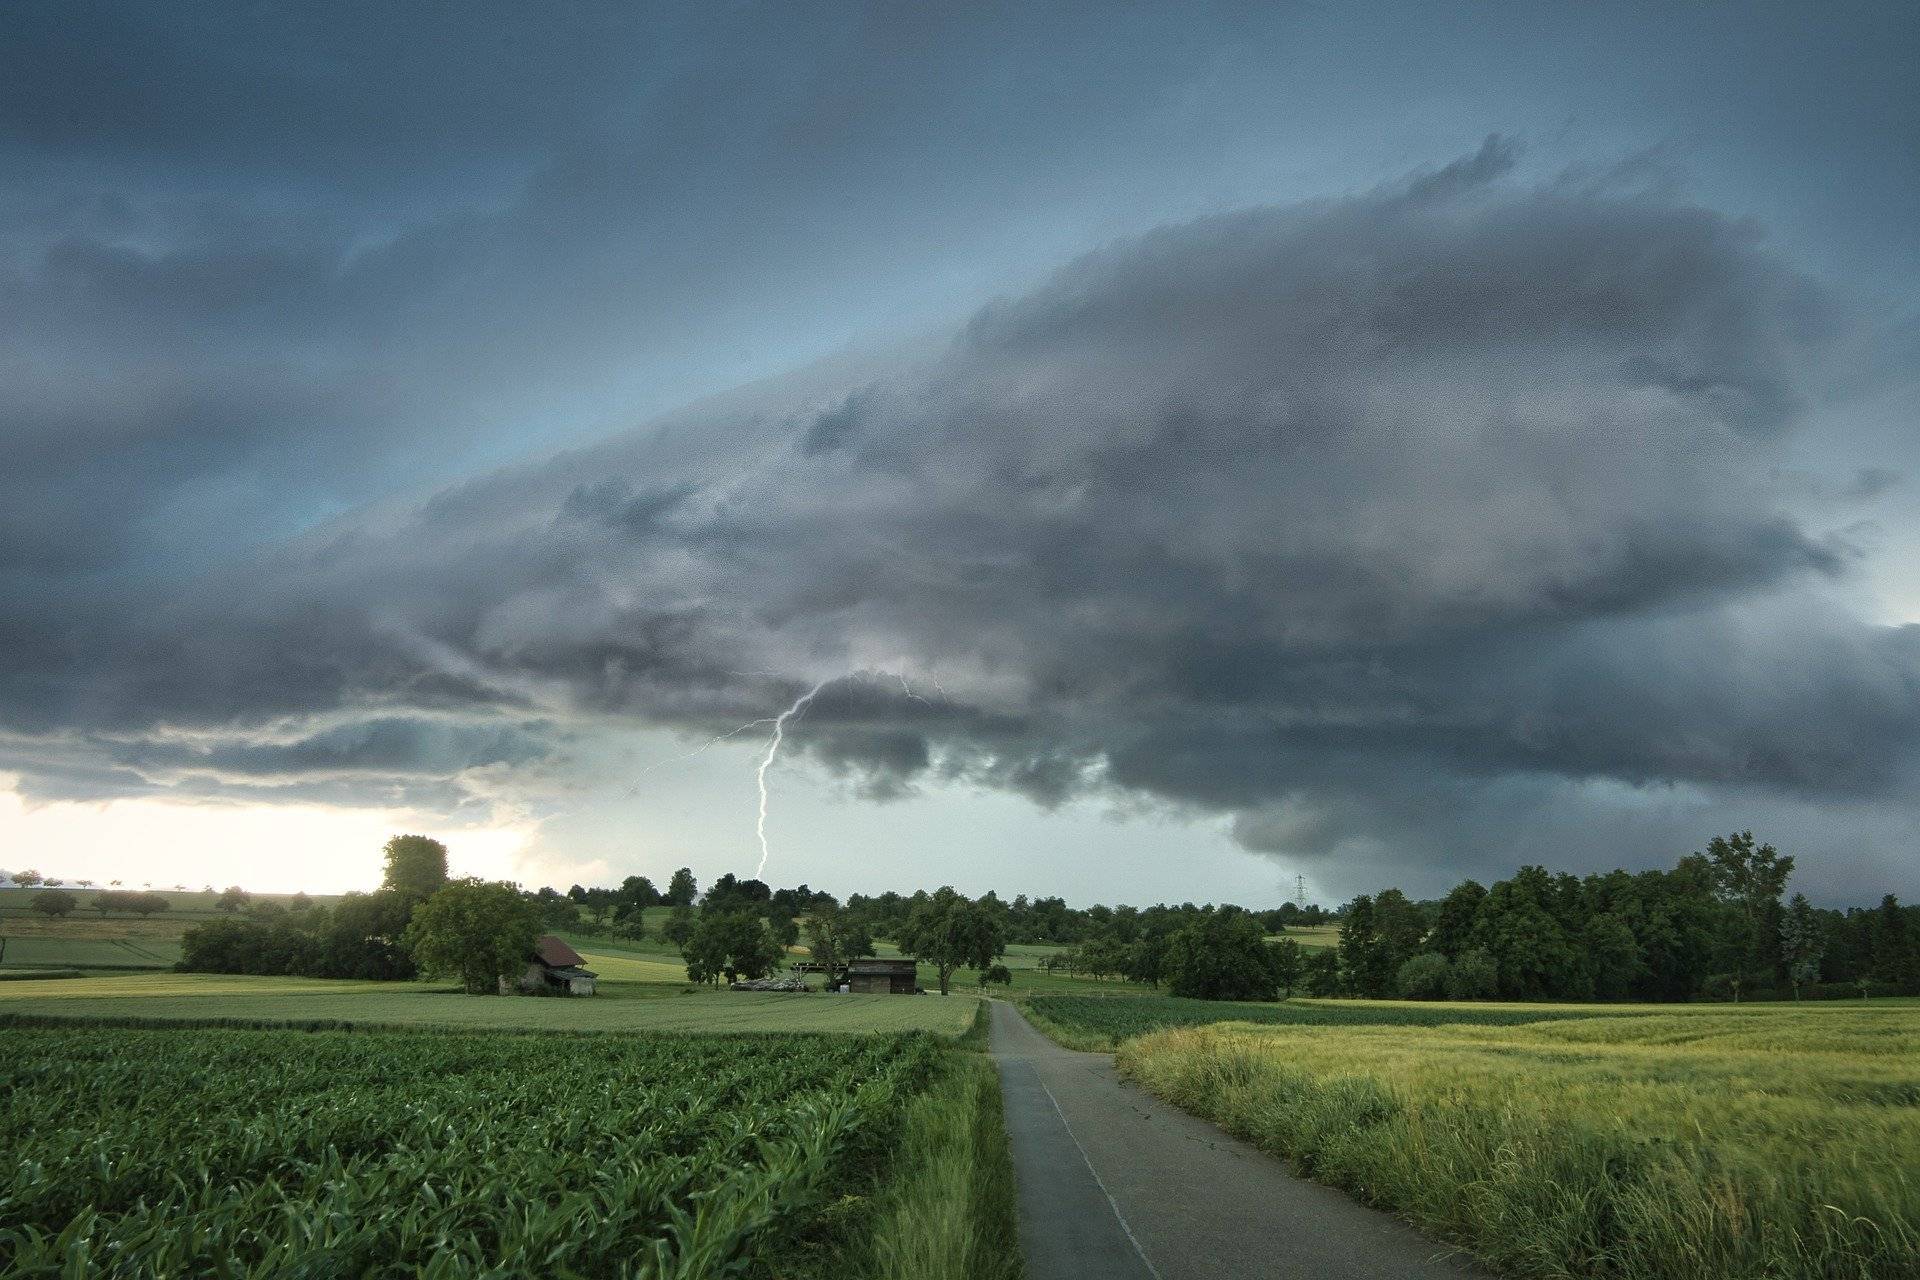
x=255, y=1153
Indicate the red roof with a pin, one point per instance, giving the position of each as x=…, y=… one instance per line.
x=556, y=953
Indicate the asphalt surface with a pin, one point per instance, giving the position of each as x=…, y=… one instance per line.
x=1117, y=1185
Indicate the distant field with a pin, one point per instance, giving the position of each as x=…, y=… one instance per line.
x=621, y=1006
x=1314, y=937
x=85, y=939
x=53, y=950
x=1692, y=1143
x=1101, y=1022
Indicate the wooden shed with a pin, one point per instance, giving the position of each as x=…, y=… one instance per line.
x=556, y=967
x=883, y=977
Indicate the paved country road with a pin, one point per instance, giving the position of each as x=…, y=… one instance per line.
x=1117, y=1185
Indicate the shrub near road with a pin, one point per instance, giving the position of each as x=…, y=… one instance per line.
x=1695, y=1145
x=254, y=1153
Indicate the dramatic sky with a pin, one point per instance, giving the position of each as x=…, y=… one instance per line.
x=1179, y=448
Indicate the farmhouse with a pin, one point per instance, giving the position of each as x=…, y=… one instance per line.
x=883, y=977
x=555, y=967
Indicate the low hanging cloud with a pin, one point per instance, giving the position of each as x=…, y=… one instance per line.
x=1373, y=523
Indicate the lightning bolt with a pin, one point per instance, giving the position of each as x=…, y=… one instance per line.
x=773, y=751
x=778, y=737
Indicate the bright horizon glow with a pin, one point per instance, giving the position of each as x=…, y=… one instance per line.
x=262, y=848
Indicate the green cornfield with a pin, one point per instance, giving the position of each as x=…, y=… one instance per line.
x=242, y=1153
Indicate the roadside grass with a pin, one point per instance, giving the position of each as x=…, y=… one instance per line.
x=1693, y=1143
x=621, y=1006
x=949, y=1211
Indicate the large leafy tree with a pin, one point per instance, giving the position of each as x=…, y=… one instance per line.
x=1750, y=879
x=1536, y=961
x=730, y=944
x=636, y=893
x=416, y=866
x=836, y=937
x=481, y=930
x=682, y=889
x=949, y=932
x=364, y=936
x=1453, y=926
x=1366, y=957
x=1222, y=956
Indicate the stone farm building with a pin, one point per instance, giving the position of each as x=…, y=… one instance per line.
x=555, y=967
x=883, y=977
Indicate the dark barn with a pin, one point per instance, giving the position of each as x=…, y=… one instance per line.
x=883, y=977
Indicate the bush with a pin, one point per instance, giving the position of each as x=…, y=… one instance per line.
x=1426, y=976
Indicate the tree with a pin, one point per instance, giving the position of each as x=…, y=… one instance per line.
x=1474, y=976
x=1423, y=977
x=730, y=893
x=730, y=944
x=636, y=894
x=836, y=937
x=1221, y=956
x=1365, y=956
x=416, y=866
x=481, y=930
x=680, y=926
x=1453, y=927
x=54, y=903
x=232, y=898
x=1802, y=942
x=948, y=931
x=1896, y=947
x=1750, y=880
x=996, y=973
x=682, y=889
x=1528, y=945
x=300, y=902
x=1287, y=966
x=1615, y=961
x=146, y=904
x=26, y=879
x=1322, y=974
x=1402, y=926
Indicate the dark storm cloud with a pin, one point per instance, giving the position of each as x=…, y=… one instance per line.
x=1452, y=498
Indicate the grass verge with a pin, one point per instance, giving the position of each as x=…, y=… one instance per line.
x=1689, y=1146
x=947, y=1209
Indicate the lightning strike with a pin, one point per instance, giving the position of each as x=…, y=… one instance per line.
x=773, y=750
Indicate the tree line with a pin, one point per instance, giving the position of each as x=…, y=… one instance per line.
x=1717, y=925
